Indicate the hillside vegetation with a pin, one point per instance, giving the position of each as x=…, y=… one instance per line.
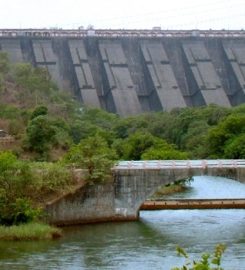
x=46, y=122
x=54, y=134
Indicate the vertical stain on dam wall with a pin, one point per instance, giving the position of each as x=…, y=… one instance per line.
x=131, y=75
x=164, y=83
x=204, y=73
x=120, y=91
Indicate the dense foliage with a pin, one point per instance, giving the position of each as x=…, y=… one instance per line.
x=94, y=156
x=23, y=186
x=47, y=122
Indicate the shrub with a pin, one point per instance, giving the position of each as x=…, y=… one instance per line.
x=207, y=261
x=51, y=177
x=17, y=212
x=16, y=184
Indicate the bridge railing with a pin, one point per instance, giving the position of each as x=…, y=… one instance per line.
x=163, y=164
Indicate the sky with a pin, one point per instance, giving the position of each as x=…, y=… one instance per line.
x=123, y=14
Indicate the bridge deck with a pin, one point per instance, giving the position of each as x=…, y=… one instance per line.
x=174, y=164
x=194, y=204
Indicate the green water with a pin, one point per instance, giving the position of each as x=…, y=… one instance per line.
x=147, y=244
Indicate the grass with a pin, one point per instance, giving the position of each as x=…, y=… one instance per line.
x=167, y=190
x=30, y=231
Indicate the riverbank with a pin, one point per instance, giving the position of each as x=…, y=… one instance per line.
x=29, y=231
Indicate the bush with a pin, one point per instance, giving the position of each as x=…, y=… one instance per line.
x=40, y=135
x=143, y=145
x=16, y=184
x=40, y=110
x=226, y=140
x=17, y=212
x=51, y=178
x=207, y=261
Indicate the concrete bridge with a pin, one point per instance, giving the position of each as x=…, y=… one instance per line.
x=133, y=183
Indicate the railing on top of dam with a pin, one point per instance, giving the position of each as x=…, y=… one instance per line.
x=173, y=164
x=114, y=33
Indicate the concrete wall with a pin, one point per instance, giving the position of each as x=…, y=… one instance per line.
x=130, y=75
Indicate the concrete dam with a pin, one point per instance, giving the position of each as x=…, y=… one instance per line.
x=133, y=71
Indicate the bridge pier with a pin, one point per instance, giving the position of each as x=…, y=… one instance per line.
x=134, y=186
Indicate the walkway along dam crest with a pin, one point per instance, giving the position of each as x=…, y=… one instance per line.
x=133, y=183
x=133, y=71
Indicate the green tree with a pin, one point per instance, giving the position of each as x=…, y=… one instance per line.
x=94, y=156
x=226, y=139
x=40, y=110
x=93, y=121
x=194, y=139
x=136, y=144
x=124, y=127
x=141, y=145
x=36, y=84
x=15, y=183
x=40, y=135
x=235, y=148
x=163, y=151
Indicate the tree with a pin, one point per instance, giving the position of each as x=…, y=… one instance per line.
x=226, y=140
x=163, y=152
x=40, y=110
x=141, y=145
x=235, y=148
x=136, y=144
x=36, y=85
x=94, y=156
x=40, y=135
x=15, y=183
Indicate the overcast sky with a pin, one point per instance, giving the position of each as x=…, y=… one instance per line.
x=171, y=14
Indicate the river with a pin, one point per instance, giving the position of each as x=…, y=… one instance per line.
x=147, y=244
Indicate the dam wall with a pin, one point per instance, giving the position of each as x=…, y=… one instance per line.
x=133, y=72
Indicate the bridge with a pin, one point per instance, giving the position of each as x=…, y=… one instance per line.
x=134, y=71
x=136, y=181
x=133, y=183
